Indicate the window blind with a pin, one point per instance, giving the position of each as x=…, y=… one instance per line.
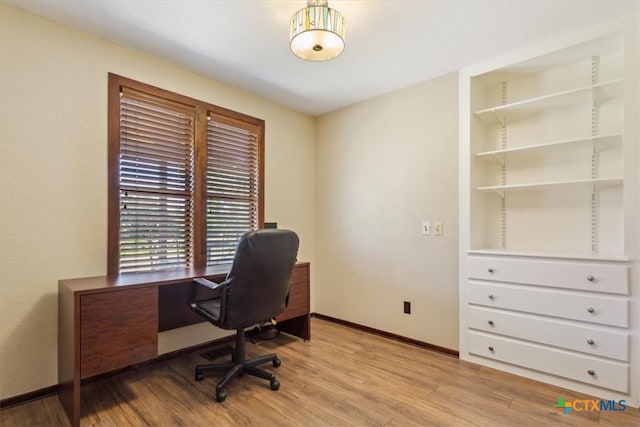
x=232, y=187
x=155, y=182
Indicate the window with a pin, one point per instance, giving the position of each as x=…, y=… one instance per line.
x=185, y=179
x=232, y=186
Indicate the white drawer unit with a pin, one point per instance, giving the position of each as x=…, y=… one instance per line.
x=598, y=341
x=595, y=371
x=594, y=308
x=587, y=276
x=549, y=215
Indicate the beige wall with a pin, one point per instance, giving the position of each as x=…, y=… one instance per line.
x=356, y=184
x=53, y=174
x=382, y=167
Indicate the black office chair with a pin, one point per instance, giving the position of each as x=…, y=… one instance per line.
x=255, y=290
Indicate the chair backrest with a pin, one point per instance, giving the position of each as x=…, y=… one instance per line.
x=258, y=283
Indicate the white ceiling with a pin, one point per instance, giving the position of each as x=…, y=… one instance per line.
x=390, y=44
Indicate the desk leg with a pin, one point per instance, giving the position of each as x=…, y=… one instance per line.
x=69, y=395
x=69, y=353
x=298, y=326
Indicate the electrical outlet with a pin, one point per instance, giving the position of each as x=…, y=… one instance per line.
x=407, y=307
x=437, y=228
x=426, y=228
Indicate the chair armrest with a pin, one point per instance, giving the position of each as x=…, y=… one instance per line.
x=192, y=295
x=207, y=283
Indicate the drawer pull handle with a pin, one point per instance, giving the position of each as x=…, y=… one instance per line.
x=491, y=297
x=591, y=278
x=591, y=310
x=491, y=322
x=490, y=270
x=591, y=372
x=590, y=342
x=491, y=349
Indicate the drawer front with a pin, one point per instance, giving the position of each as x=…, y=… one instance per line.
x=298, y=302
x=119, y=329
x=587, y=276
x=592, y=340
x=598, y=372
x=300, y=274
x=597, y=308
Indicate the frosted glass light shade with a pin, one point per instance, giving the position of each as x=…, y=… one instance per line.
x=317, y=33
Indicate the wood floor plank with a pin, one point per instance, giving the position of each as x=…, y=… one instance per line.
x=343, y=377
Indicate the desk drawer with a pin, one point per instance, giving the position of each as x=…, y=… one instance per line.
x=598, y=372
x=594, y=308
x=300, y=274
x=118, y=329
x=298, y=302
x=587, y=276
x=597, y=341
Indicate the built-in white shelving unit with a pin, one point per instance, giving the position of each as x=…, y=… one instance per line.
x=549, y=223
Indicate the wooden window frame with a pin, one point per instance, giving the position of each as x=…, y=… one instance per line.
x=199, y=196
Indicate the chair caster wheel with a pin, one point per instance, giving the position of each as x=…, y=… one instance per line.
x=276, y=363
x=275, y=384
x=221, y=395
x=199, y=376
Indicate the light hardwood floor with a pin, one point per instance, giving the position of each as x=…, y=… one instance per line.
x=341, y=377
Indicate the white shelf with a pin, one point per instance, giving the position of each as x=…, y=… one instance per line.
x=563, y=99
x=538, y=254
x=600, y=182
x=600, y=140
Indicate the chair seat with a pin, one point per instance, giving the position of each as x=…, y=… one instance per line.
x=211, y=307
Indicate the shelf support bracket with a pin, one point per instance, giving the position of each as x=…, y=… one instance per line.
x=503, y=170
x=500, y=159
x=501, y=193
x=595, y=68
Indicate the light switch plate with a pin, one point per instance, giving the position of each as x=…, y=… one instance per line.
x=426, y=228
x=437, y=228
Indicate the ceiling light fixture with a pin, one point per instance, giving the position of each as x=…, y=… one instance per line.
x=317, y=32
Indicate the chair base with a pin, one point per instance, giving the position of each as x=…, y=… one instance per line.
x=238, y=366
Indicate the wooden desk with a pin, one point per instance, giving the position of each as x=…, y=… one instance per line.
x=107, y=323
